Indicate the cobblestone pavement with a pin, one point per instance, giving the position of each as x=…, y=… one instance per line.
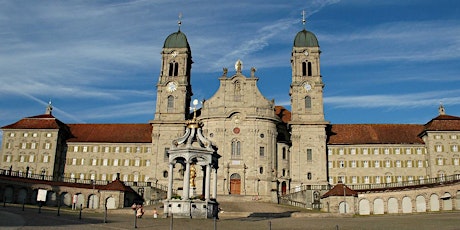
x=13, y=217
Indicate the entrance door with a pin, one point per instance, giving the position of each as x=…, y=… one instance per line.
x=235, y=184
x=283, y=188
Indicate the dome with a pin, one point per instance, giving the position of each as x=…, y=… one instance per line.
x=176, y=40
x=305, y=38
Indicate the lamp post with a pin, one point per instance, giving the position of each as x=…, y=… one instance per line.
x=141, y=192
x=43, y=174
x=93, y=182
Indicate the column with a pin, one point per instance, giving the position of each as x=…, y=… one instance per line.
x=214, y=187
x=170, y=181
x=186, y=191
x=208, y=179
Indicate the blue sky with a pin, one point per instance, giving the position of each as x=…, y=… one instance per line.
x=389, y=61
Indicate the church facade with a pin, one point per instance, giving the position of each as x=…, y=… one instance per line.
x=263, y=148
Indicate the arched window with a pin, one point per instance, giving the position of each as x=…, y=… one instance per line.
x=236, y=148
x=173, y=69
x=306, y=68
x=308, y=102
x=170, y=102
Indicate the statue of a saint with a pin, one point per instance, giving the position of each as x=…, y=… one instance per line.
x=192, y=175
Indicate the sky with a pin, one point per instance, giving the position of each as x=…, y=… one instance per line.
x=391, y=61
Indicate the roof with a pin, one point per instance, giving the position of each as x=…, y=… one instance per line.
x=283, y=113
x=375, y=134
x=305, y=38
x=111, y=133
x=44, y=121
x=340, y=190
x=176, y=40
x=443, y=123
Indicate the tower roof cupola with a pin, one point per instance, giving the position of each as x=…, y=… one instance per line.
x=305, y=38
x=176, y=40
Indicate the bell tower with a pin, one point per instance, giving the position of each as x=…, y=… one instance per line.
x=308, y=127
x=174, y=90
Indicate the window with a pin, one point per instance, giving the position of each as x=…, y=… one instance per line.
x=438, y=148
x=284, y=153
x=306, y=68
x=125, y=177
x=261, y=170
x=309, y=176
x=74, y=161
x=104, y=176
x=138, y=149
x=408, y=151
x=354, y=180
x=95, y=149
x=8, y=145
x=437, y=137
x=453, y=137
x=173, y=69
x=26, y=134
x=48, y=135
x=366, y=180
x=388, y=163
x=165, y=174
x=419, y=151
x=386, y=151
x=331, y=180
x=11, y=134
x=454, y=148
x=82, y=161
x=420, y=164
x=126, y=162
x=147, y=163
x=376, y=151
x=82, y=176
x=170, y=103
x=137, y=162
x=128, y=149
x=388, y=179
x=341, y=164
x=22, y=158
x=308, y=102
x=114, y=176
x=410, y=178
x=47, y=145
x=440, y=161
x=75, y=149
x=330, y=164
x=409, y=164
x=261, y=151
x=341, y=178
x=136, y=177
x=94, y=162
x=23, y=145
x=329, y=152
x=115, y=162
x=106, y=149
x=309, y=155
x=236, y=145
x=341, y=151
x=31, y=158
x=399, y=179
x=72, y=175
x=34, y=134
x=365, y=164
x=45, y=158
x=353, y=164
x=85, y=149
x=149, y=150
x=398, y=151
x=456, y=161
x=93, y=176
x=365, y=151
x=377, y=180
x=117, y=149
x=353, y=151
x=377, y=164
x=398, y=164
x=105, y=162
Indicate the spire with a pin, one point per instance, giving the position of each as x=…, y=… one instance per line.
x=179, y=22
x=49, y=108
x=304, y=20
x=441, y=109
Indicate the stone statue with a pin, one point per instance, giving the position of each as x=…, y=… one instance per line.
x=192, y=176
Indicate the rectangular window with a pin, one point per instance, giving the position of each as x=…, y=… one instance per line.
x=104, y=176
x=128, y=149
x=115, y=162
x=261, y=151
x=354, y=180
x=399, y=179
x=440, y=161
x=353, y=164
x=366, y=180
x=11, y=134
x=456, y=161
x=398, y=164
x=437, y=137
x=106, y=149
x=353, y=151
x=149, y=150
x=117, y=149
x=365, y=164
x=138, y=149
x=126, y=162
x=82, y=161
x=386, y=151
x=420, y=164
x=377, y=164
x=147, y=163
x=23, y=145
x=94, y=162
x=95, y=149
x=85, y=149
x=419, y=151
x=409, y=164
x=438, y=148
x=341, y=151
x=74, y=161
x=397, y=151
x=47, y=145
x=45, y=159
x=341, y=164
x=376, y=151
x=34, y=134
x=331, y=180
x=105, y=162
x=75, y=149
x=22, y=158
x=453, y=137
x=365, y=151
x=388, y=179
x=137, y=162
x=8, y=145
x=34, y=145
x=377, y=180
x=388, y=163
x=330, y=164
x=31, y=158
x=236, y=147
x=329, y=152
x=48, y=135
x=309, y=155
x=454, y=148
x=26, y=134
x=408, y=151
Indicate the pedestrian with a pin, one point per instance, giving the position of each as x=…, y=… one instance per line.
x=140, y=211
x=155, y=213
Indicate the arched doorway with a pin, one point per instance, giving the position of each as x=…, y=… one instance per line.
x=235, y=184
x=22, y=196
x=110, y=203
x=67, y=199
x=93, y=201
x=283, y=188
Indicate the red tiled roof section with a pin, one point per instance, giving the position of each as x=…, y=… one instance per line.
x=339, y=190
x=375, y=134
x=283, y=113
x=44, y=121
x=111, y=133
x=443, y=123
x=117, y=185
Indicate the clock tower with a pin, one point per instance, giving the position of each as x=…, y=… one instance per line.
x=174, y=90
x=308, y=127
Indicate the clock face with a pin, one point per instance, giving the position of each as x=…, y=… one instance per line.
x=307, y=87
x=305, y=52
x=174, y=53
x=172, y=86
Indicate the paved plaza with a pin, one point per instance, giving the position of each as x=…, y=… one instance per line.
x=13, y=217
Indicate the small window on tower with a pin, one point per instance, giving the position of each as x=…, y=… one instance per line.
x=308, y=102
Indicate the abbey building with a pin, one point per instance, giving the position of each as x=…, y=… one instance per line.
x=263, y=147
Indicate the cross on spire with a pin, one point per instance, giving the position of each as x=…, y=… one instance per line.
x=179, y=22
x=304, y=20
